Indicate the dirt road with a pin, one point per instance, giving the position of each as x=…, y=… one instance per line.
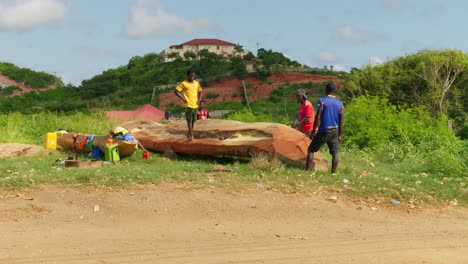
x=168, y=224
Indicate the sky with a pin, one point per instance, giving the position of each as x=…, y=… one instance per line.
x=78, y=39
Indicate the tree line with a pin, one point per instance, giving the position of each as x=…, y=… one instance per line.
x=131, y=85
x=433, y=79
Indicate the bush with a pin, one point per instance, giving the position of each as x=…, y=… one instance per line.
x=247, y=116
x=396, y=134
x=211, y=95
x=9, y=90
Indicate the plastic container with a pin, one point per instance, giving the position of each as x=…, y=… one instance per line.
x=51, y=140
x=111, y=153
x=146, y=154
x=96, y=153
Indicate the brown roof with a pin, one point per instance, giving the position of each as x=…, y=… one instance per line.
x=208, y=42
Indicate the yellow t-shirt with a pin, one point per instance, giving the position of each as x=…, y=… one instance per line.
x=190, y=91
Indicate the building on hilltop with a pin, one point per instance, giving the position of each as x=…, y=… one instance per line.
x=190, y=50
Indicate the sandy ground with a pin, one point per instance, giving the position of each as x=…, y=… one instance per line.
x=13, y=150
x=173, y=224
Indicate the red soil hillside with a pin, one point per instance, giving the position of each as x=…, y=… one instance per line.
x=24, y=88
x=231, y=89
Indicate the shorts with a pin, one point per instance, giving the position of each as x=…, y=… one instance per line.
x=330, y=137
x=191, y=114
x=307, y=133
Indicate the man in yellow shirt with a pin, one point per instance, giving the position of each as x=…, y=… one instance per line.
x=189, y=91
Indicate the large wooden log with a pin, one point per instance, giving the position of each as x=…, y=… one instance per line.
x=226, y=137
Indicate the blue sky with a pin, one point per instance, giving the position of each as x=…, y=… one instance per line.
x=77, y=39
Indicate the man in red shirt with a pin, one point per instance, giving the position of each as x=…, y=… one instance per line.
x=306, y=112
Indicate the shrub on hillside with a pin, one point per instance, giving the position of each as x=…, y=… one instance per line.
x=9, y=90
x=30, y=78
x=404, y=133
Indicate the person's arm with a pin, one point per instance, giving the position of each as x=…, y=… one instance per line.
x=199, y=97
x=181, y=96
x=200, y=89
x=340, y=124
x=316, y=123
x=304, y=120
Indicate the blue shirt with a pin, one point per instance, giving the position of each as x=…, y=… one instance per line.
x=331, y=108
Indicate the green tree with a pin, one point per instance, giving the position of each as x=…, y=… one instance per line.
x=270, y=57
x=239, y=68
x=173, y=56
x=249, y=56
x=238, y=49
x=211, y=67
x=435, y=79
x=440, y=70
x=190, y=55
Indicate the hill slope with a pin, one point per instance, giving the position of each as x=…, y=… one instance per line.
x=231, y=89
x=6, y=81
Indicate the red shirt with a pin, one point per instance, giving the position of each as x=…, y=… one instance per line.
x=203, y=114
x=306, y=109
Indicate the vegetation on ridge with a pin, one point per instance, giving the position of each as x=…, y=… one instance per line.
x=30, y=78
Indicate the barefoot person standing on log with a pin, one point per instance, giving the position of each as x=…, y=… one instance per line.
x=189, y=91
x=330, y=118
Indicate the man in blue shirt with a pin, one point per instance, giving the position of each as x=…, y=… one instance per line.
x=330, y=118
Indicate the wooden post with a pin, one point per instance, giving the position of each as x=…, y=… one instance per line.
x=152, y=96
x=246, y=97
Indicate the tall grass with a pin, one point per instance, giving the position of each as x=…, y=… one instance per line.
x=20, y=128
x=395, y=166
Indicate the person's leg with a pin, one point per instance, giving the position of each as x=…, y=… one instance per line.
x=310, y=164
x=188, y=117
x=334, y=163
x=191, y=129
x=315, y=145
x=194, y=119
x=333, y=147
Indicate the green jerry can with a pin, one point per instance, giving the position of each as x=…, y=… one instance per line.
x=111, y=153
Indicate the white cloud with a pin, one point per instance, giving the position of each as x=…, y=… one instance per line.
x=144, y=22
x=27, y=14
x=326, y=56
x=374, y=60
x=395, y=5
x=349, y=34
